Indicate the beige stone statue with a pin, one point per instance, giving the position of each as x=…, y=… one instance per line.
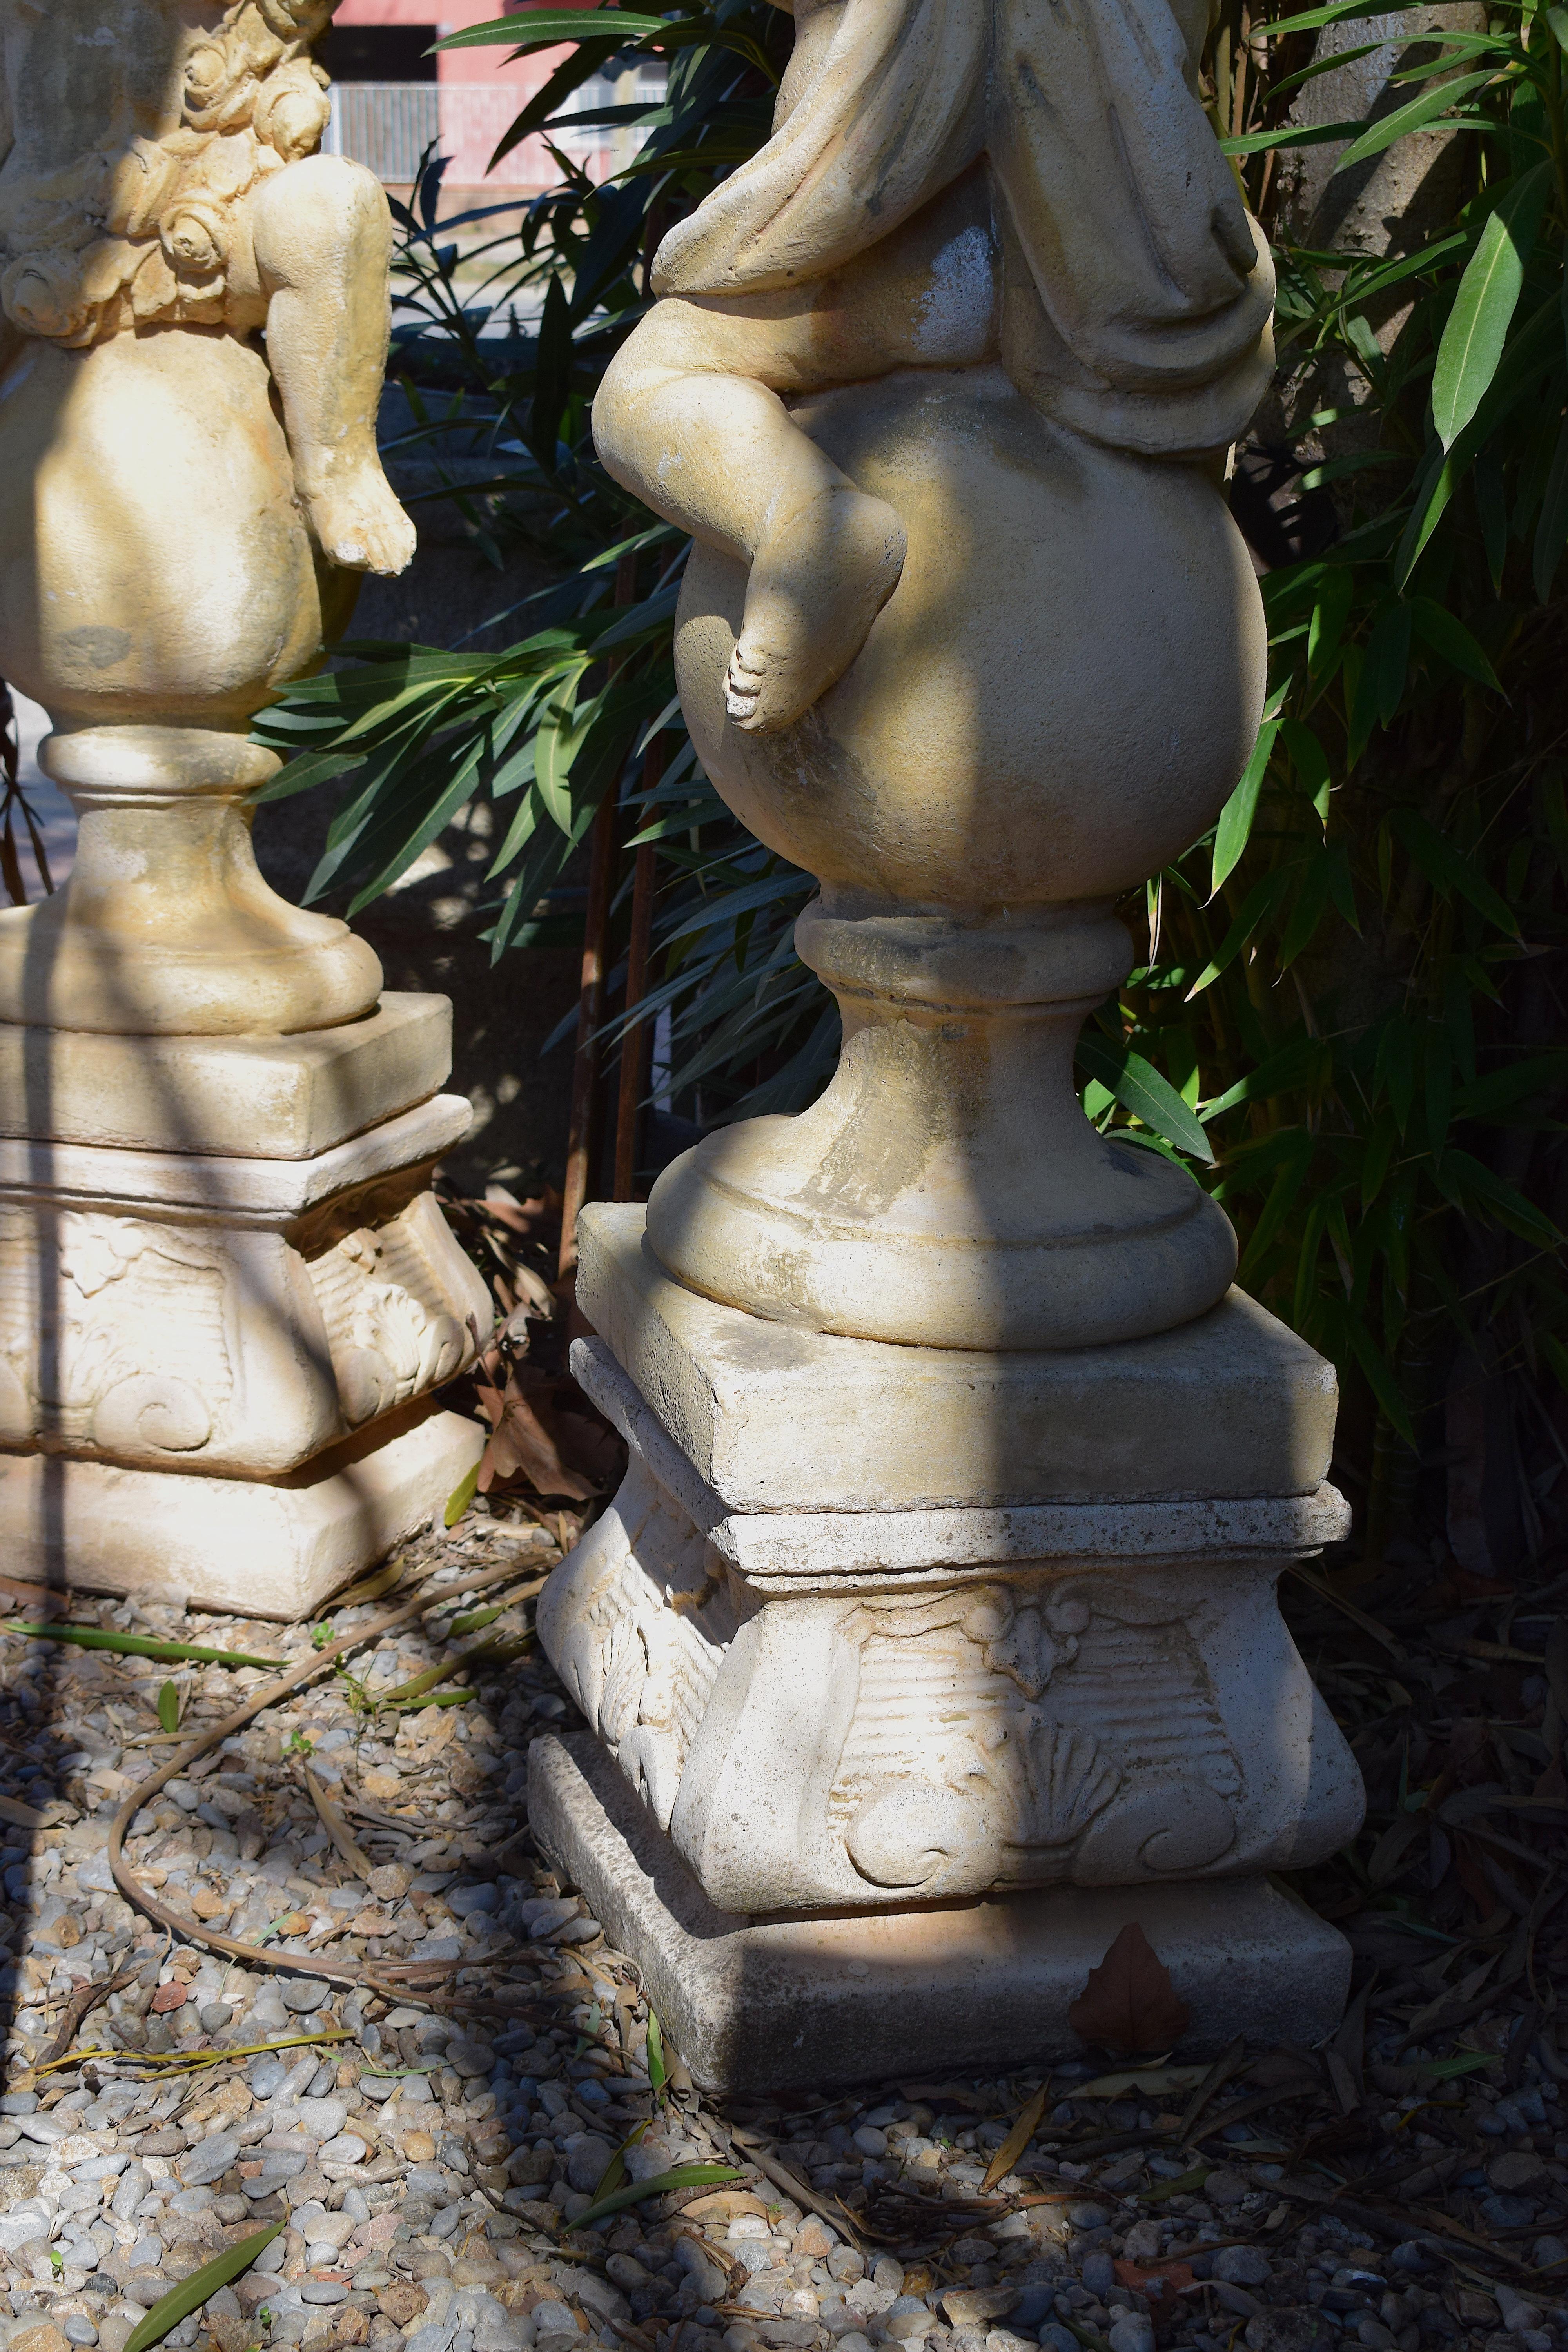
x=942, y=382
x=179, y=510
x=931, y=1639
x=225, y=1292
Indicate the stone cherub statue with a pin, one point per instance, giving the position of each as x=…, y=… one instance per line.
x=154, y=182
x=942, y=383
x=947, y=186
x=194, y=323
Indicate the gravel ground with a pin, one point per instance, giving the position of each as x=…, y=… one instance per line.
x=1403, y=2189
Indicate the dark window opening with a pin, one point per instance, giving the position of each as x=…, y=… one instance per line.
x=379, y=52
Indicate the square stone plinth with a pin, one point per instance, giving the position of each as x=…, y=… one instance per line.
x=775, y=1418
x=214, y=1315
x=256, y=1098
x=260, y=1548
x=761, y=2005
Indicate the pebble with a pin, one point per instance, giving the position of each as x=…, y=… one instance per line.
x=381, y=2173
x=304, y=1995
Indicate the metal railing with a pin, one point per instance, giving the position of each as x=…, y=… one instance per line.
x=385, y=124
x=389, y=124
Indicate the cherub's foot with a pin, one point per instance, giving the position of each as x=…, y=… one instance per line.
x=816, y=585
x=360, y=525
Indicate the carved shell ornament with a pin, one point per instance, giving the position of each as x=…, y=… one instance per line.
x=140, y=236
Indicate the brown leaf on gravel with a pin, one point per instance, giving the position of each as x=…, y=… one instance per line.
x=1160, y=2285
x=1018, y=2139
x=1128, y=2003
x=173, y=1995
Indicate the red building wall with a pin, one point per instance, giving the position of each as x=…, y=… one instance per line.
x=480, y=93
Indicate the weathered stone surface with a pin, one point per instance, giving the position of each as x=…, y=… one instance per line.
x=293, y=1543
x=219, y=1253
x=277, y=1098
x=1112, y=1697
x=778, y=1418
x=844, y=2000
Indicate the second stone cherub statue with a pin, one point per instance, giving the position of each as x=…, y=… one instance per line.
x=194, y=323
x=948, y=184
x=158, y=169
x=941, y=382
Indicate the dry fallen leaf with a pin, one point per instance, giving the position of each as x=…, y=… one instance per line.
x=173, y=1995
x=1154, y=2082
x=956, y=2094
x=1128, y=2003
x=524, y=1443
x=1162, y=2283
x=1018, y=2139
x=337, y=1829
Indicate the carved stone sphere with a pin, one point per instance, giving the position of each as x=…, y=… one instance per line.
x=1060, y=694
x=153, y=561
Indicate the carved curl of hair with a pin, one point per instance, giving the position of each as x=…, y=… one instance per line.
x=256, y=72
x=258, y=100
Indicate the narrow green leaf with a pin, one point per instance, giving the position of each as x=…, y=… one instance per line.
x=684, y=2175
x=1308, y=907
x=1379, y=1378
x=1330, y=611
x=657, y=2071
x=1439, y=1086
x=615, y=2172
x=1281, y=1200
x=1416, y=116
x=1447, y=870
x=1335, y=13
x=1448, y=636
x=1533, y=349
x=551, y=375
x=547, y=28
x=1309, y=134
x=1396, y=1067
x=1259, y=902
x=1483, y=310
x=1388, y=661
x=1468, y=1181
x=461, y=1495
x=193, y=2292
x=1292, y=1068
x=1140, y=1089
x=299, y=774
x=139, y=1645
x=1551, y=530
x=169, y=1707
x=1311, y=762
x=1381, y=1147
x=1234, y=827
x=1500, y=1090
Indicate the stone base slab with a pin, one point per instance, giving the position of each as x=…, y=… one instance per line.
x=256, y=1097
x=258, y=1549
x=774, y=1417
x=760, y=2005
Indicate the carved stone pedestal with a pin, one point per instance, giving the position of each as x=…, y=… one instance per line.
x=870, y=1628
x=226, y=1293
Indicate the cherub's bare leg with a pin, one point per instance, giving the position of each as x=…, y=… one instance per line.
x=323, y=237
x=683, y=420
